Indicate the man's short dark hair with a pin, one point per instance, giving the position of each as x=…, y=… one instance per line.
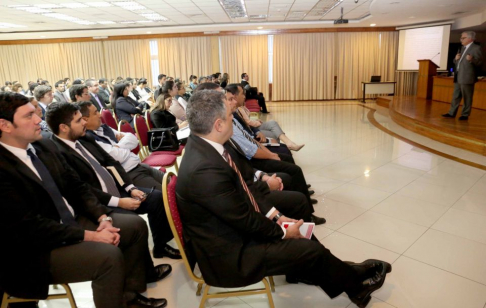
x=58, y=83
x=32, y=86
x=44, y=82
x=9, y=102
x=40, y=91
x=161, y=76
x=8, y=83
x=76, y=89
x=207, y=86
x=78, y=81
x=142, y=81
x=102, y=80
x=84, y=107
x=203, y=109
x=60, y=113
x=233, y=88
x=243, y=75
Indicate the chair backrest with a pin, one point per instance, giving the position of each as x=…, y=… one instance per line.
x=148, y=120
x=125, y=127
x=141, y=129
x=108, y=119
x=252, y=105
x=169, y=183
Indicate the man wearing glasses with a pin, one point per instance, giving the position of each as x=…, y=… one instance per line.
x=468, y=62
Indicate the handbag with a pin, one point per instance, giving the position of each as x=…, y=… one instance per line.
x=163, y=139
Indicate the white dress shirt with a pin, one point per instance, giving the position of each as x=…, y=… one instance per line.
x=121, y=151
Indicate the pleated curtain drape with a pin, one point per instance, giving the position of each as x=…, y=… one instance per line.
x=183, y=57
x=303, y=66
x=246, y=54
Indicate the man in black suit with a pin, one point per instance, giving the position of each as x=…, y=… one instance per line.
x=252, y=93
x=53, y=228
x=103, y=93
x=233, y=242
x=94, y=89
x=108, y=180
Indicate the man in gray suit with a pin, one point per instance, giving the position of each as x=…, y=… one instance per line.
x=468, y=61
x=59, y=94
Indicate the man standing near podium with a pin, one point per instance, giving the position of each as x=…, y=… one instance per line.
x=468, y=62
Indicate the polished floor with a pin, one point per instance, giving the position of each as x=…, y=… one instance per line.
x=383, y=198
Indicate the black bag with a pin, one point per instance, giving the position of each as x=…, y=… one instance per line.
x=163, y=139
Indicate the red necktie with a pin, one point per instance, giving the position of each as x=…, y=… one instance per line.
x=243, y=183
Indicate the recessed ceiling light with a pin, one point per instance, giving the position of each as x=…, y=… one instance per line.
x=99, y=4
x=260, y=28
x=43, y=36
x=6, y=25
x=106, y=22
x=130, y=5
x=154, y=16
x=74, y=5
x=48, y=6
x=372, y=25
x=148, y=32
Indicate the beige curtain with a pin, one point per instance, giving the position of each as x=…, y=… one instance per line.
x=361, y=55
x=303, y=66
x=183, y=57
x=83, y=60
x=406, y=83
x=246, y=54
x=127, y=58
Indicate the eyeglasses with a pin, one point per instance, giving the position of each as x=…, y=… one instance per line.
x=463, y=38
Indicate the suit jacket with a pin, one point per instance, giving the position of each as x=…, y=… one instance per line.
x=104, y=96
x=29, y=222
x=219, y=222
x=95, y=102
x=468, y=71
x=60, y=97
x=125, y=107
x=84, y=169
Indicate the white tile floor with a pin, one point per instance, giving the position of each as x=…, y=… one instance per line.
x=382, y=198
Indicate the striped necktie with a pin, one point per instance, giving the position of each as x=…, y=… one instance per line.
x=242, y=181
x=250, y=138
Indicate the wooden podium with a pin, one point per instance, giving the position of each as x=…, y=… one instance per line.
x=427, y=70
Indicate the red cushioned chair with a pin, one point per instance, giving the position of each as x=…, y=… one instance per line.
x=108, y=119
x=165, y=160
x=148, y=120
x=170, y=203
x=142, y=130
x=252, y=105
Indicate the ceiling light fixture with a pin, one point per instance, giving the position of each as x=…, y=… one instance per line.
x=99, y=4
x=234, y=8
x=259, y=28
x=106, y=22
x=6, y=25
x=130, y=5
x=372, y=25
x=33, y=9
x=48, y=6
x=154, y=16
x=148, y=32
x=74, y=5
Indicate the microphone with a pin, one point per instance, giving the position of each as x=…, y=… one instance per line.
x=435, y=56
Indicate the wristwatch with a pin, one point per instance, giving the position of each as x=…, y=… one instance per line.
x=277, y=217
x=132, y=189
x=107, y=218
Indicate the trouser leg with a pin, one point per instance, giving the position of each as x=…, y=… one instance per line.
x=261, y=103
x=145, y=176
x=456, y=99
x=467, y=92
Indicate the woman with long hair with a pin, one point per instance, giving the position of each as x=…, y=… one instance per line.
x=170, y=88
x=225, y=80
x=125, y=107
x=161, y=116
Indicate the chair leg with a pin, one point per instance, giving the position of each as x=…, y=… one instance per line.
x=272, y=283
x=199, y=287
x=269, y=293
x=4, y=300
x=205, y=296
x=70, y=295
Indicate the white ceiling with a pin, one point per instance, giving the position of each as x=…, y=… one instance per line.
x=209, y=15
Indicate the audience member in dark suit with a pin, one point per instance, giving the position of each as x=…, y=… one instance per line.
x=252, y=93
x=468, y=63
x=91, y=162
x=43, y=94
x=160, y=115
x=125, y=107
x=94, y=89
x=234, y=243
x=120, y=147
x=104, y=93
x=54, y=227
x=59, y=94
x=162, y=78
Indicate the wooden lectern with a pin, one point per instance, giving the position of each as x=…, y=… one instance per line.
x=427, y=70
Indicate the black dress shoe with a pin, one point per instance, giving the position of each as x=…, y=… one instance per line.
x=308, y=186
x=362, y=296
x=141, y=301
x=167, y=251
x=463, y=118
x=446, y=115
x=313, y=201
x=368, y=268
x=160, y=272
x=318, y=220
x=311, y=192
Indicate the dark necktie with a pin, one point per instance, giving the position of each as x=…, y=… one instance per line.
x=101, y=171
x=51, y=187
x=243, y=183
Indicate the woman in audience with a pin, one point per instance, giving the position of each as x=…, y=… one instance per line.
x=181, y=90
x=125, y=107
x=17, y=88
x=161, y=116
x=193, y=82
x=176, y=109
x=142, y=90
x=225, y=80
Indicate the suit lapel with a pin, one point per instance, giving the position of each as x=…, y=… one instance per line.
x=20, y=166
x=71, y=151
